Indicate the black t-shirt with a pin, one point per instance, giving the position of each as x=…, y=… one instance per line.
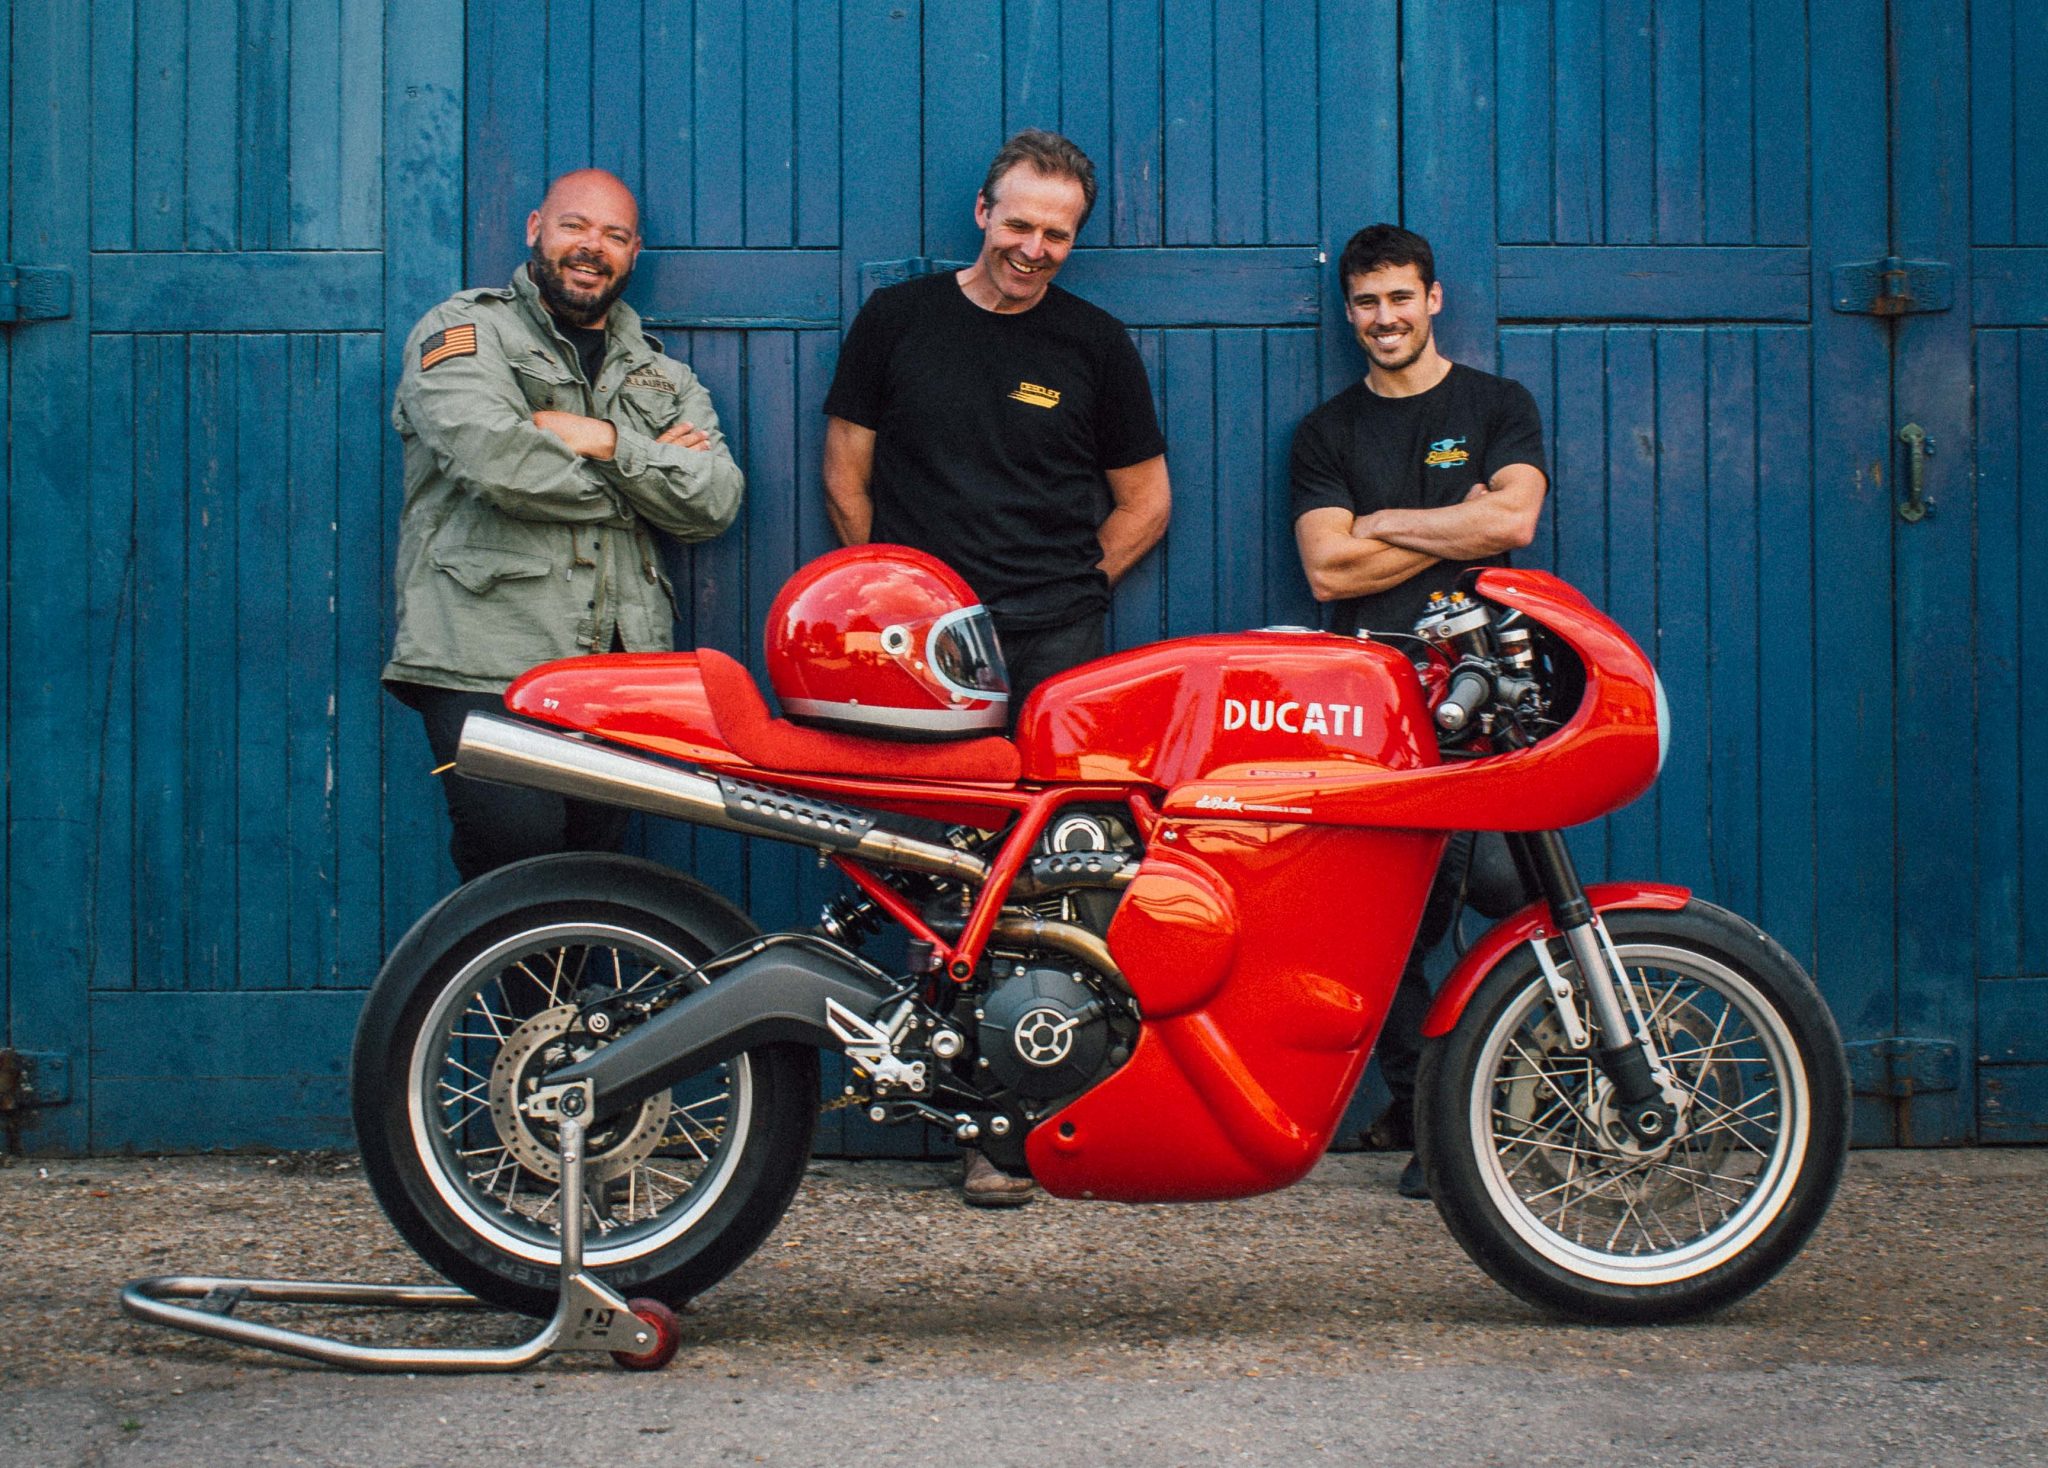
x=590, y=343
x=1362, y=452
x=992, y=435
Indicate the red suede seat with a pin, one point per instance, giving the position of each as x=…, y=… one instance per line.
x=759, y=738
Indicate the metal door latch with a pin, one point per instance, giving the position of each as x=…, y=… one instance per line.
x=1916, y=506
x=1892, y=287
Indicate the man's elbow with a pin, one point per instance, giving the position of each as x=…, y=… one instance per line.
x=1322, y=586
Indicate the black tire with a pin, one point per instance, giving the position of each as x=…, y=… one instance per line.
x=1531, y=1172
x=471, y=1006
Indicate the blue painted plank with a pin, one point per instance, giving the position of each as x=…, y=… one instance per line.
x=1732, y=614
x=1196, y=439
x=1031, y=65
x=1680, y=85
x=1684, y=577
x=359, y=210
x=880, y=142
x=1447, y=163
x=314, y=137
x=263, y=110
x=2009, y=287
x=572, y=95
x=182, y=1114
x=1137, y=606
x=300, y=290
x=1188, y=120
x=2012, y=1103
x=161, y=528
x=506, y=159
x=362, y=591
x=114, y=89
x=1577, y=439
x=2029, y=128
x=110, y=661
x=1992, y=106
x=724, y=288
x=159, y=138
x=719, y=85
x=1581, y=208
x=1290, y=183
x=2000, y=798
x=212, y=677
x=213, y=161
x=1653, y=283
x=1239, y=69
x=1527, y=87
x=1359, y=155
x=1631, y=548
x=1785, y=123
x=1085, y=92
x=617, y=132
x=771, y=123
x=1292, y=389
x=1788, y=862
x=2009, y=1021
x=1200, y=287
x=1529, y=357
x=1236, y=534
x=668, y=89
x=2031, y=546
x=817, y=125
x=262, y=583
x=1629, y=123
x=1729, y=139
x=1137, y=171
x=963, y=119
x=307, y=789
x=53, y=773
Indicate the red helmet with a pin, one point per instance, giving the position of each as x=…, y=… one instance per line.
x=883, y=639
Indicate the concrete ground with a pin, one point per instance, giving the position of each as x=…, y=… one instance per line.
x=1333, y=1322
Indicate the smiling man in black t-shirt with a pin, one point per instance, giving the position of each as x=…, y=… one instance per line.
x=1399, y=484
x=991, y=418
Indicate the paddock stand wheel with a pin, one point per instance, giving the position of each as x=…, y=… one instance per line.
x=641, y=1335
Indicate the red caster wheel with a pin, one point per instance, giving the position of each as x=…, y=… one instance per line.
x=662, y=1321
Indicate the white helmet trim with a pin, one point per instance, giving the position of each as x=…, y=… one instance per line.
x=935, y=720
x=942, y=625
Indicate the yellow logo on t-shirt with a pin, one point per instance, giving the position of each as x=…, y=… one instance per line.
x=1038, y=397
x=1446, y=452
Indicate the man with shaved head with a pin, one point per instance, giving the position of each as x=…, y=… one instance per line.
x=547, y=439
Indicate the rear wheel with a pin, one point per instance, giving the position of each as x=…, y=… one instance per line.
x=1546, y=1189
x=516, y=975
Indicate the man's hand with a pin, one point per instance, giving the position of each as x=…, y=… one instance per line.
x=593, y=438
x=686, y=436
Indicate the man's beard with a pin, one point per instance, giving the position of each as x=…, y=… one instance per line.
x=1418, y=344
x=557, y=296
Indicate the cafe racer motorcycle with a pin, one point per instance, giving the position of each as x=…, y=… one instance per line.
x=1146, y=946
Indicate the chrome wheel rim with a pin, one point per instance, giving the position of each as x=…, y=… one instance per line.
x=653, y=1172
x=1563, y=1173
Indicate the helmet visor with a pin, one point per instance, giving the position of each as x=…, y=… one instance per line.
x=963, y=654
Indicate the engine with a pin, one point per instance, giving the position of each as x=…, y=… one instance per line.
x=1043, y=1032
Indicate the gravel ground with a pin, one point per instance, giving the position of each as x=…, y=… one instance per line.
x=878, y=1273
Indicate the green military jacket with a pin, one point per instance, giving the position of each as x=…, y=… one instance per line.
x=512, y=549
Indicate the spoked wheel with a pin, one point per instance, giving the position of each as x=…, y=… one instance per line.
x=516, y=975
x=1546, y=1189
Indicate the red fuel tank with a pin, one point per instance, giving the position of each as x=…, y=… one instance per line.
x=1281, y=705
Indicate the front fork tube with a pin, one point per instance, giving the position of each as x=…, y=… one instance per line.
x=1623, y=1049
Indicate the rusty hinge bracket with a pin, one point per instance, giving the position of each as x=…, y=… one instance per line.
x=1904, y=1066
x=1892, y=287
x=34, y=293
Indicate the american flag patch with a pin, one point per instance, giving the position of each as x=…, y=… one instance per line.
x=456, y=341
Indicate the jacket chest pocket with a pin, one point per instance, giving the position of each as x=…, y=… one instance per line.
x=650, y=408
x=546, y=383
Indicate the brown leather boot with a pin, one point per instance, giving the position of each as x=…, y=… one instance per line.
x=984, y=1185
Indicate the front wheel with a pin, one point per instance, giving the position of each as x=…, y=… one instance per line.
x=1548, y=1192
x=515, y=975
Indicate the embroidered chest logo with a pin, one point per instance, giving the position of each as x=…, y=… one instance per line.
x=1038, y=397
x=456, y=341
x=647, y=377
x=1446, y=452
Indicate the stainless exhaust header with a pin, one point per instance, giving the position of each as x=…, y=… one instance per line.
x=512, y=753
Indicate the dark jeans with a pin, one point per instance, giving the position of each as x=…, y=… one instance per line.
x=1478, y=865
x=496, y=825
x=1032, y=656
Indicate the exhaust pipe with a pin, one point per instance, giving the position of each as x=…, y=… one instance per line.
x=512, y=753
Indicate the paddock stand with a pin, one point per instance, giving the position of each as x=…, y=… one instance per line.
x=589, y=1316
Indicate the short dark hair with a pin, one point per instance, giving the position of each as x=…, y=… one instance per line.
x=1047, y=153
x=1381, y=246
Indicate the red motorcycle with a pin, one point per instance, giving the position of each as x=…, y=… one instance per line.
x=1147, y=947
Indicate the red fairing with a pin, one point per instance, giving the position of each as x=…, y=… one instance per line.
x=1517, y=928
x=1266, y=705
x=1259, y=1011
x=654, y=700
x=1605, y=755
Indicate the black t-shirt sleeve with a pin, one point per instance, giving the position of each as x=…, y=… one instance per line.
x=856, y=393
x=1129, y=427
x=1516, y=435
x=1315, y=469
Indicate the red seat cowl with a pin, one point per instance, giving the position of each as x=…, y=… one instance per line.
x=761, y=739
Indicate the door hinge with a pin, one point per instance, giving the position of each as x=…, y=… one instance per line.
x=1903, y=1066
x=34, y=293
x=1892, y=287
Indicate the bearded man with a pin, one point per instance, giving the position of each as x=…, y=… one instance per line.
x=547, y=440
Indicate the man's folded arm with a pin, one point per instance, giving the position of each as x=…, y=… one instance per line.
x=692, y=493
